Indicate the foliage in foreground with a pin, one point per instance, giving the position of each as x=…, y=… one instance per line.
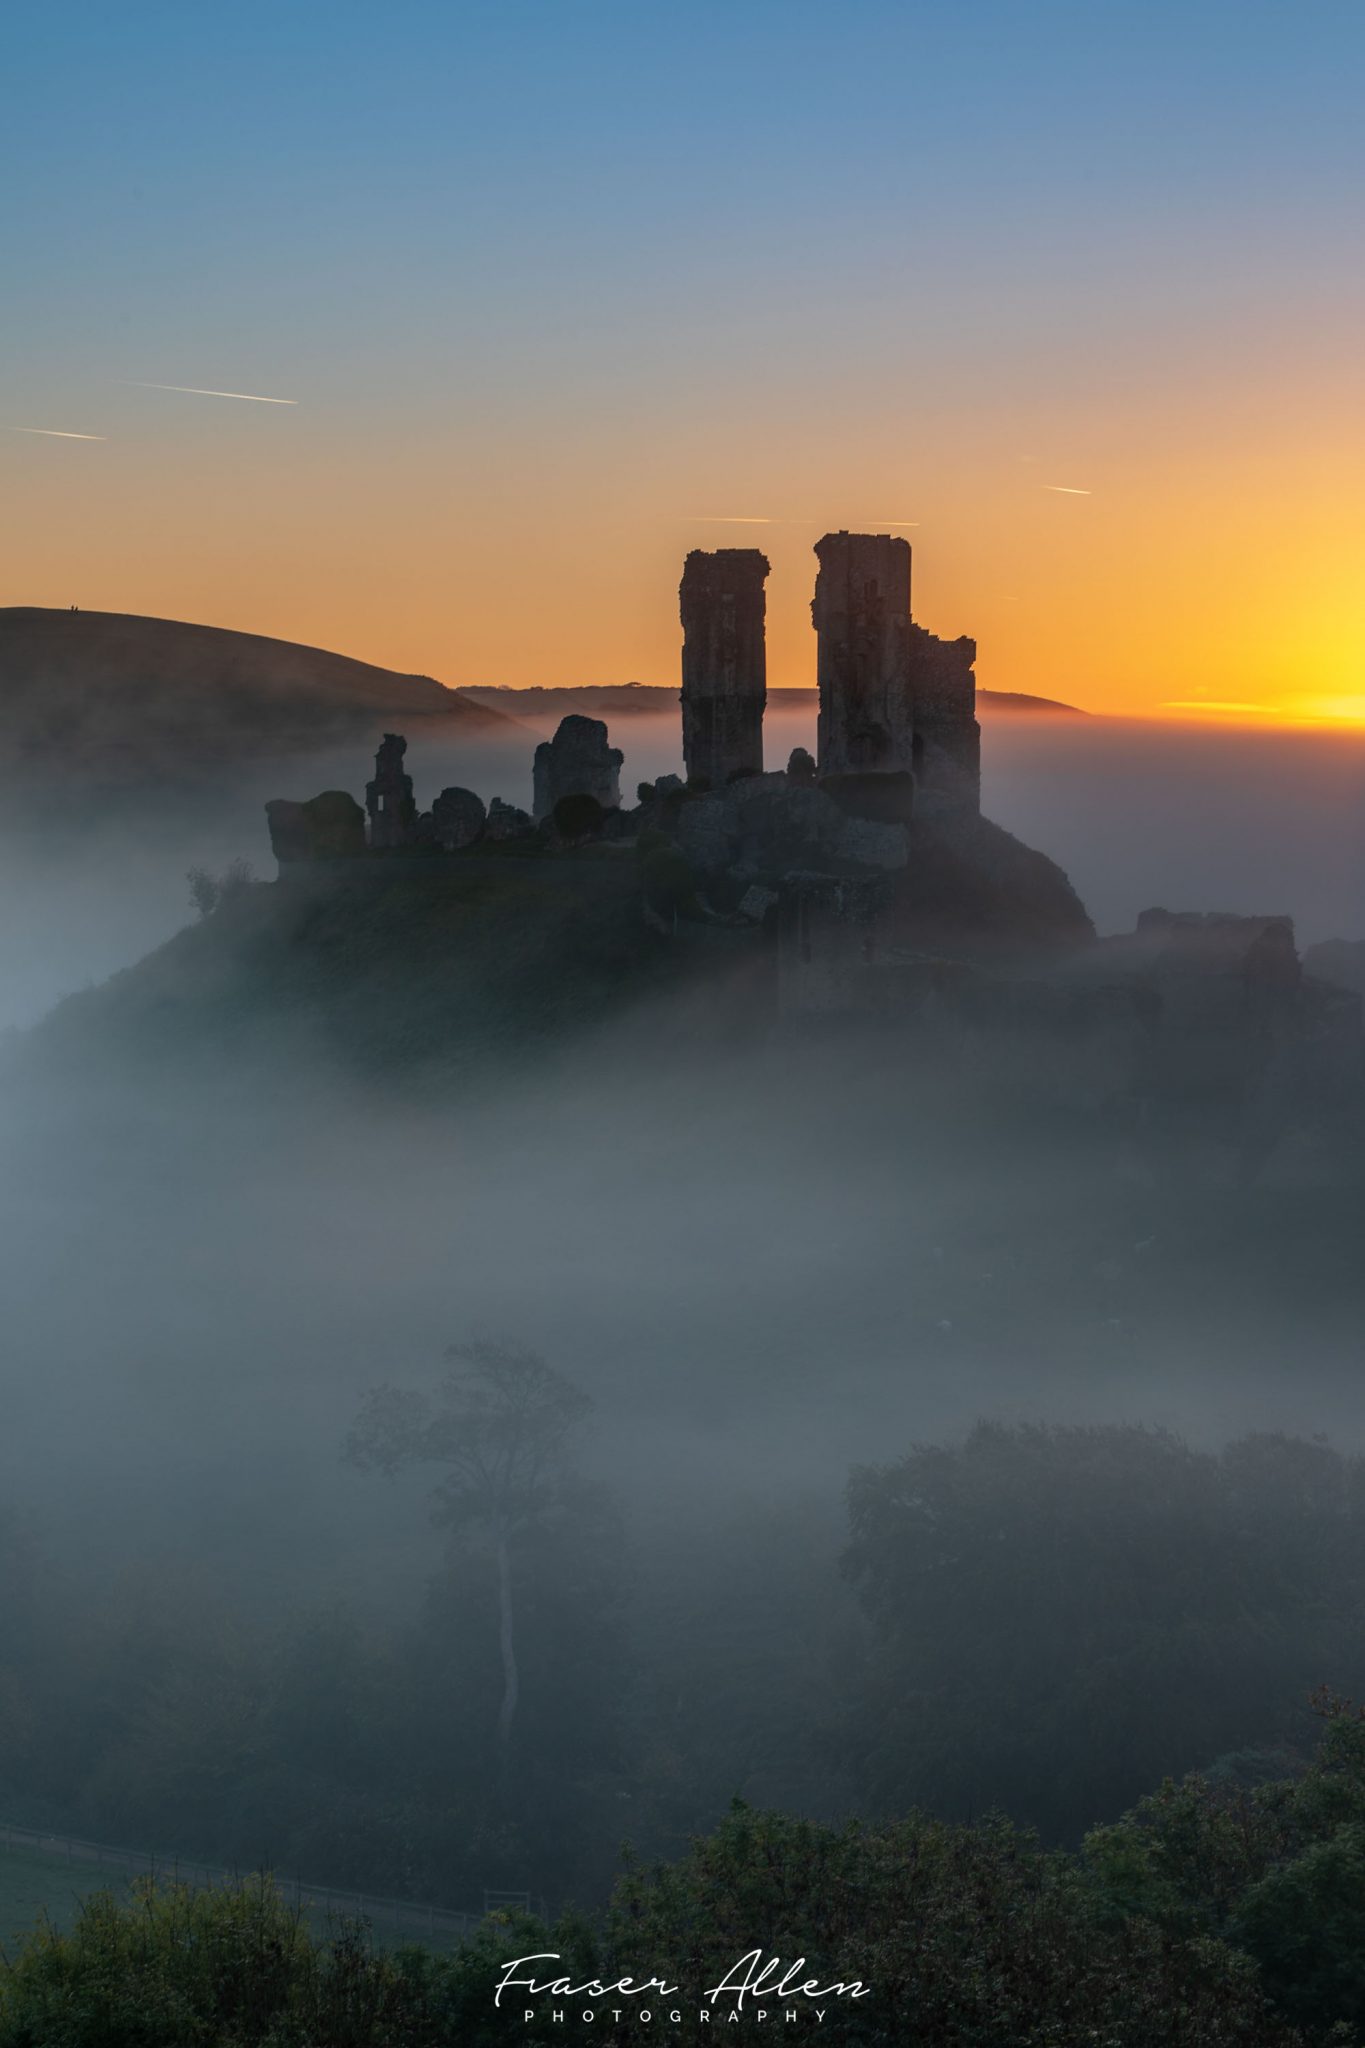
x=236, y=1968
x=1214, y=1914
x=969, y=1937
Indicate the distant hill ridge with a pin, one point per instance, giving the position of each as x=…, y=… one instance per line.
x=614, y=699
x=115, y=697
x=115, y=700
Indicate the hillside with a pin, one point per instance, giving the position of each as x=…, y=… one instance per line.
x=408, y=966
x=616, y=700
x=113, y=699
x=393, y=972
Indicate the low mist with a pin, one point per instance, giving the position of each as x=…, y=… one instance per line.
x=767, y=1261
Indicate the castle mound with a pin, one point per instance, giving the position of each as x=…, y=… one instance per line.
x=391, y=974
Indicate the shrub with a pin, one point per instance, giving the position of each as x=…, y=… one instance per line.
x=578, y=817
x=212, y=892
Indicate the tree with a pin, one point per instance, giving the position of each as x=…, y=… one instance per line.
x=1144, y=1607
x=498, y=1423
x=210, y=892
x=957, y=1937
x=203, y=891
x=578, y=817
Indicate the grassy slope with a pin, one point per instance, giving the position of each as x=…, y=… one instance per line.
x=34, y=1887
x=388, y=973
x=116, y=696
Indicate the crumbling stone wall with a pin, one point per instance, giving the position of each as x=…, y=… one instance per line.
x=769, y=826
x=578, y=761
x=827, y=942
x=327, y=827
x=724, y=663
x=946, y=746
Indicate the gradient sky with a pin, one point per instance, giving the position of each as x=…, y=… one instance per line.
x=562, y=287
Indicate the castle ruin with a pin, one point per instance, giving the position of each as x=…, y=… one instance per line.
x=388, y=797
x=895, y=700
x=897, y=736
x=861, y=615
x=578, y=761
x=724, y=664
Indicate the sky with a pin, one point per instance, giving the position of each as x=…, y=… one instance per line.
x=1066, y=291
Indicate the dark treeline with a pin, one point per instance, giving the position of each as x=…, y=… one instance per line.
x=1041, y=1621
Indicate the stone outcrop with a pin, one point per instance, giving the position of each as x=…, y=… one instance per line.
x=724, y=664
x=578, y=761
x=327, y=827
x=457, y=819
x=388, y=797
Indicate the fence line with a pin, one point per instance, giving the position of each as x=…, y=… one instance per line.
x=371, y=1906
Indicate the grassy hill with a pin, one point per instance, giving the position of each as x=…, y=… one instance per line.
x=108, y=698
x=436, y=966
x=394, y=969
x=37, y=1886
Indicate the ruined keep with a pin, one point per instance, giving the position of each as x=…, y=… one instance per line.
x=578, y=761
x=861, y=613
x=897, y=735
x=388, y=798
x=894, y=698
x=724, y=664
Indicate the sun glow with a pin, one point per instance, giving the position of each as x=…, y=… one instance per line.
x=1345, y=710
x=1304, y=709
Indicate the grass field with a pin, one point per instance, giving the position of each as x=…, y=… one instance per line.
x=34, y=1885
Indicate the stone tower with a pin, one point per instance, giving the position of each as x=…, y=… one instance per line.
x=895, y=700
x=861, y=613
x=724, y=665
x=388, y=798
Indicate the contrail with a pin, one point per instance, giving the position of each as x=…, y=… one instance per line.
x=1071, y=490
x=197, y=391
x=56, y=434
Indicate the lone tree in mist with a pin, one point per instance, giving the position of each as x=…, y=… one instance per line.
x=210, y=892
x=498, y=1424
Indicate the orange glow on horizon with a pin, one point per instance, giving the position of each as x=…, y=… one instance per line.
x=1209, y=571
